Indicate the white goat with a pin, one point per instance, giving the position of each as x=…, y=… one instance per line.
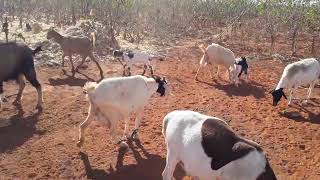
x=306, y=71
x=210, y=149
x=114, y=99
x=134, y=58
x=218, y=55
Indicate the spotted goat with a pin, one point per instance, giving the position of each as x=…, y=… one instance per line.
x=209, y=149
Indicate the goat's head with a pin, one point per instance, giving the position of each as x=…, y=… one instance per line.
x=162, y=85
x=117, y=53
x=277, y=95
x=51, y=33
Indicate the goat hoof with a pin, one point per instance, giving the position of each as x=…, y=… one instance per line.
x=39, y=108
x=135, y=135
x=123, y=145
x=4, y=99
x=79, y=144
x=64, y=71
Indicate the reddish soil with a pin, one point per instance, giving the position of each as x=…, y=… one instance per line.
x=43, y=145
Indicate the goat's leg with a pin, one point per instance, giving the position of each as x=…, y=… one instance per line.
x=115, y=137
x=31, y=76
x=72, y=66
x=81, y=63
x=292, y=90
x=171, y=163
x=98, y=65
x=1, y=94
x=63, y=56
x=151, y=69
x=126, y=128
x=129, y=71
x=22, y=85
x=84, y=125
x=310, y=90
x=144, y=69
x=218, y=67
x=135, y=133
x=196, y=77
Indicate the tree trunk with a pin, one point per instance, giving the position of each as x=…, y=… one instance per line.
x=313, y=44
x=294, y=41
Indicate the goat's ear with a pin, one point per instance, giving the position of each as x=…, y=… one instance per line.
x=164, y=79
x=284, y=95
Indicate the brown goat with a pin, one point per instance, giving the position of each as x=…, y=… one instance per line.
x=70, y=45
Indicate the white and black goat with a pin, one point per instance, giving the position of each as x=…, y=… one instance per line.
x=241, y=66
x=16, y=62
x=209, y=149
x=217, y=55
x=115, y=99
x=133, y=58
x=304, y=72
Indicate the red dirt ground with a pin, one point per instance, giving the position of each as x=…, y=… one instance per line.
x=43, y=146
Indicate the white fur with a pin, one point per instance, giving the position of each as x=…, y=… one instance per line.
x=139, y=58
x=115, y=99
x=311, y=76
x=1, y=101
x=218, y=55
x=183, y=139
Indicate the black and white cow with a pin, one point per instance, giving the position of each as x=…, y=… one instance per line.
x=210, y=149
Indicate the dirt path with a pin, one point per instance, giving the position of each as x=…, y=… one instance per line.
x=44, y=145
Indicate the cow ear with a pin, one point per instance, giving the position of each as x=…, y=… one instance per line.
x=284, y=95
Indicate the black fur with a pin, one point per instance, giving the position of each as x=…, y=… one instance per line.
x=161, y=85
x=244, y=66
x=117, y=53
x=268, y=174
x=35, y=51
x=130, y=55
x=277, y=95
x=17, y=59
x=221, y=144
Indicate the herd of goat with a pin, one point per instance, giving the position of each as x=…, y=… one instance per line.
x=207, y=146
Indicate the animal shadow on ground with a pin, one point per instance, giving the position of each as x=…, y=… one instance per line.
x=69, y=80
x=244, y=89
x=296, y=115
x=19, y=131
x=147, y=168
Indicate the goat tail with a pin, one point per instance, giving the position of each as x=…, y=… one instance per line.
x=93, y=38
x=89, y=88
x=35, y=51
x=205, y=57
x=164, y=126
x=202, y=47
